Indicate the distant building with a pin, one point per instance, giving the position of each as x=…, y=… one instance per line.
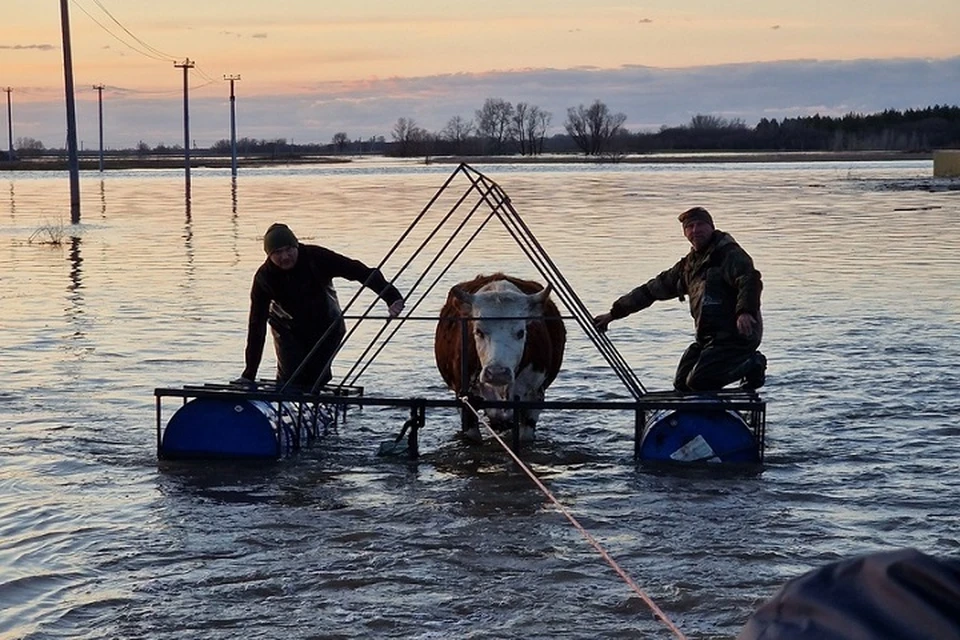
x=946, y=163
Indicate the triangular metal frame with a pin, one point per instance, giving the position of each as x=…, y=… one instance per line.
x=488, y=193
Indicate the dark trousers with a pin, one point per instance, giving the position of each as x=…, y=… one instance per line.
x=713, y=365
x=292, y=348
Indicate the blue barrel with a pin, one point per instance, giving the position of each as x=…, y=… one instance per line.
x=238, y=428
x=690, y=436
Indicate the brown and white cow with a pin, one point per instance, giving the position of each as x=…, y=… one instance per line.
x=509, y=359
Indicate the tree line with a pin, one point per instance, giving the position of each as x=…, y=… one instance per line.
x=499, y=127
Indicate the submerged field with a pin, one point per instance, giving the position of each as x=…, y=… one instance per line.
x=151, y=289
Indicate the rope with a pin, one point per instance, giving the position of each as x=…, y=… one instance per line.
x=657, y=612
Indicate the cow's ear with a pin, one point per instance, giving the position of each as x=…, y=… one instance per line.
x=462, y=296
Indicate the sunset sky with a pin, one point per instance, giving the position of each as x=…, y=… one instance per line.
x=304, y=54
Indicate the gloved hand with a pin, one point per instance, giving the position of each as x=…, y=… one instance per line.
x=746, y=324
x=602, y=322
x=246, y=383
x=395, y=308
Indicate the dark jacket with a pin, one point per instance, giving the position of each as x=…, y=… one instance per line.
x=303, y=300
x=902, y=593
x=720, y=281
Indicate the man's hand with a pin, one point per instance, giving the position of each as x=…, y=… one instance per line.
x=279, y=312
x=395, y=308
x=746, y=324
x=602, y=322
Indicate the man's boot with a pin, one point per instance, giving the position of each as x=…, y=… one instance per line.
x=756, y=376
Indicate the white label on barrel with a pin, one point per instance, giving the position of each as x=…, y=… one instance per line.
x=696, y=450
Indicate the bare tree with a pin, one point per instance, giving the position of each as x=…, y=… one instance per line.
x=592, y=129
x=457, y=131
x=518, y=127
x=28, y=146
x=409, y=137
x=701, y=122
x=493, y=123
x=340, y=140
x=537, y=123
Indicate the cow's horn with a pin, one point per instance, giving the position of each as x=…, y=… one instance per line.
x=461, y=295
x=541, y=296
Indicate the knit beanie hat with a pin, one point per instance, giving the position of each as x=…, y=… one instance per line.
x=696, y=214
x=277, y=237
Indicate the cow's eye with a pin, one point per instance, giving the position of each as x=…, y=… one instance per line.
x=479, y=333
x=520, y=334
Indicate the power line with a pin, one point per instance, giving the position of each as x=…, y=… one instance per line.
x=210, y=79
x=167, y=56
x=144, y=48
x=207, y=83
x=146, y=54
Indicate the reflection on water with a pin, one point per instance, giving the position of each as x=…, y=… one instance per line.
x=98, y=540
x=76, y=264
x=188, y=244
x=103, y=199
x=235, y=220
x=75, y=287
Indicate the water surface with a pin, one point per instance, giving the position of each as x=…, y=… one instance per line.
x=98, y=540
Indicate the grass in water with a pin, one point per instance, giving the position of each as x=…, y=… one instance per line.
x=48, y=233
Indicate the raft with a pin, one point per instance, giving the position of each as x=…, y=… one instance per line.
x=722, y=426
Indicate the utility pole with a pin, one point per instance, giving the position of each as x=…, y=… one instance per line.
x=9, y=124
x=186, y=65
x=99, y=88
x=71, y=115
x=233, y=125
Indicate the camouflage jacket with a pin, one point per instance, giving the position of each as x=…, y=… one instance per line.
x=720, y=281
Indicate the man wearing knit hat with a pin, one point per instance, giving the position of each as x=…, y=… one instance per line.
x=724, y=290
x=293, y=292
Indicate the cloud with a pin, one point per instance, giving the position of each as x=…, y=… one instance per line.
x=234, y=34
x=23, y=47
x=650, y=97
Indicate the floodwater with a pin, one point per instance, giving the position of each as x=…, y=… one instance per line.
x=99, y=540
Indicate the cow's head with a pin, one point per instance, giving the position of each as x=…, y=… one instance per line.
x=500, y=313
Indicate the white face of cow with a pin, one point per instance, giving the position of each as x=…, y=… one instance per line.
x=500, y=311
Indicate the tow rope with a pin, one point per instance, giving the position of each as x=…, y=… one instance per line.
x=657, y=612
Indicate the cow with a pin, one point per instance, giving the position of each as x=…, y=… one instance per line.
x=506, y=359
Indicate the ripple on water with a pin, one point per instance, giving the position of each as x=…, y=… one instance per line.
x=98, y=540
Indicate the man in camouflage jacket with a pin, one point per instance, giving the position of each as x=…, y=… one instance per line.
x=724, y=290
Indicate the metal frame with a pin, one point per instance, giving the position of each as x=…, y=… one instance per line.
x=747, y=403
